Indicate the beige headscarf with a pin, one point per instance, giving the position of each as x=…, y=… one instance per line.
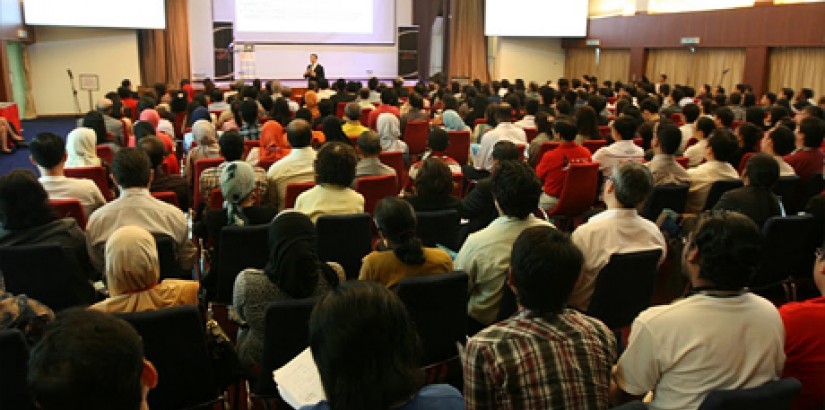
x=81, y=148
x=204, y=133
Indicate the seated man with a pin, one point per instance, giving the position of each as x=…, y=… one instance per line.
x=353, y=127
x=485, y=256
x=438, y=140
x=701, y=132
x=331, y=195
x=232, y=147
x=298, y=166
x=720, y=147
x=547, y=354
x=720, y=337
x=132, y=171
x=623, y=149
x=90, y=361
x=161, y=181
x=389, y=102
x=723, y=117
x=365, y=99
x=756, y=199
x=691, y=113
x=663, y=166
x=778, y=143
x=506, y=131
x=619, y=229
x=370, y=165
x=552, y=169
x=48, y=154
x=808, y=158
x=531, y=108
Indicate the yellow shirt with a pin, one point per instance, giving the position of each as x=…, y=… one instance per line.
x=384, y=267
x=353, y=130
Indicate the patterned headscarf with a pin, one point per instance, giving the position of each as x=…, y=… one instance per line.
x=237, y=182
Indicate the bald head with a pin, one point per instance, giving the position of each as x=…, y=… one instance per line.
x=369, y=143
x=299, y=133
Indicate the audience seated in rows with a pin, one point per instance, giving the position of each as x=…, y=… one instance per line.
x=389, y=132
x=690, y=113
x=369, y=148
x=331, y=195
x=433, y=188
x=503, y=131
x=756, y=199
x=81, y=149
x=413, y=111
x=663, y=165
x=297, y=167
x=622, y=150
x=206, y=137
x=747, y=138
x=721, y=145
x=250, y=130
x=437, y=141
x=231, y=144
x=554, y=165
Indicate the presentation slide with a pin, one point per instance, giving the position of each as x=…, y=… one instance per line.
x=315, y=22
x=95, y=13
x=535, y=18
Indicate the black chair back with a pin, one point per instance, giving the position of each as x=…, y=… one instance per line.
x=285, y=336
x=788, y=250
x=624, y=287
x=14, y=358
x=42, y=272
x=345, y=239
x=438, y=227
x=241, y=247
x=668, y=196
x=633, y=405
x=785, y=187
x=508, y=304
x=174, y=340
x=438, y=306
x=718, y=188
x=167, y=258
x=775, y=395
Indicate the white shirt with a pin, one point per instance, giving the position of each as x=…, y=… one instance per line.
x=702, y=343
x=136, y=206
x=297, y=166
x=325, y=94
x=696, y=153
x=687, y=134
x=528, y=121
x=485, y=256
x=607, y=233
x=785, y=169
x=617, y=153
x=293, y=106
x=507, y=131
x=327, y=199
x=702, y=178
x=84, y=190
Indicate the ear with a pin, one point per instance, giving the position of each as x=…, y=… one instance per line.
x=149, y=375
x=693, y=256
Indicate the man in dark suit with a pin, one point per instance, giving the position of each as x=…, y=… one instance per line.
x=314, y=71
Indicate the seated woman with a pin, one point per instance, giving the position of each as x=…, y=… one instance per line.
x=755, y=199
x=331, y=195
x=389, y=131
x=81, y=149
x=401, y=254
x=9, y=136
x=367, y=353
x=433, y=187
x=292, y=272
x=133, y=274
x=26, y=218
x=333, y=131
x=207, y=140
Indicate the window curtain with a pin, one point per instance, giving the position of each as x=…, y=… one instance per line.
x=468, y=45
x=31, y=110
x=579, y=61
x=164, y=54
x=614, y=65
x=797, y=68
x=705, y=66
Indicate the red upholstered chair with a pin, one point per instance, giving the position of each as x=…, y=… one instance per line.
x=532, y=133
x=365, y=117
x=105, y=153
x=180, y=117
x=594, y=145
x=612, y=100
x=735, y=125
x=295, y=189
x=521, y=149
x=479, y=121
x=683, y=161
x=201, y=165
x=691, y=142
x=395, y=159
x=415, y=135
x=167, y=196
x=374, y=189
x=546, y=146
x=604, y=131
x=678, y=118
x=339, y=109
x=248, y=145
x=578, y=193
x=215, y=199
x=744, y=161
x=459, y=148
x=458, y=185
x=69, y=208
x=639, y=142
x=96, y=174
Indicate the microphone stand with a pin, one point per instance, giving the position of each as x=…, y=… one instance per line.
x=74, y=93
x=722, y=77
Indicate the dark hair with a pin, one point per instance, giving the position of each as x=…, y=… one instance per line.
x=725, y=116
x=47, y=149
x=24, y=202
x=784, y=141
x=669, y=138
x=144, y=103
x=95, y=121
x=723, y=144
x=750, y=135
x=516, y=189
x=755, y=116
x=303, y=114
x=543, y=124
x=586, y=122
x=729, y=246
x=813, y=131
x=735, y=98
x=749, y=100
x=131, y=167
x=566, y=129
x=326, y=107
x=625, y=126
x=232, y=145
x=335, y=164
x=372, y=83
x=438, y=140
x=563, y=107
x=778, y=113
x=434, y=179
x=506, y=151
x=649, y=105
x=249, y=112
x=389, y=97
x=298, y=133
x=142, y=129
x=395, y=218
x=353, y=111
x=531, y=107
x=632, y=182
x=545, y=266
x=503, y=113
x=691, y=112
x=706, y=125
x=364, y=93
x=281, y=112
x=788, y=93
x=365, y=346
x=369, y=143
x=87, y=360
x=124, y=92
x=762, y=171
x=154, y=148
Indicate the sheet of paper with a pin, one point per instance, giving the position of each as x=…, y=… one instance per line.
x=299, y=382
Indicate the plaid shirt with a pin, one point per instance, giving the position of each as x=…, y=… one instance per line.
x=528, y=362
x=211, y=179
x=252, y=132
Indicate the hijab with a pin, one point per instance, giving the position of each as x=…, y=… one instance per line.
x=151, y=116
x=131, y=261
x=81, y=148
x=204, y=133
x=274, y=144
x=333, y=131
x=311, y=103
x=293, y=264
x=453, y=122
x=237, y=182
x=389, y=130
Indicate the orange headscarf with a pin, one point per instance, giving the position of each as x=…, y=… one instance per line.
x=311, y=102
x=274, y=144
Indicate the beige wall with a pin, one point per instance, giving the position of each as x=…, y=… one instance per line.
x=533, y=59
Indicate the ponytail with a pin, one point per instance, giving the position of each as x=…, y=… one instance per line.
x=408, y=248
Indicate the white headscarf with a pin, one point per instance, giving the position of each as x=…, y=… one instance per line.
x=81, y=148
x=389, y=131
x=165, y=126
x=204, y=133
x=131, y=260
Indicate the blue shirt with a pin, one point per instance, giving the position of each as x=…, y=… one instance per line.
x=434, y=396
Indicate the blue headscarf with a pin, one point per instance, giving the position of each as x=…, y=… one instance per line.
x=453, y=122
x=201, y=113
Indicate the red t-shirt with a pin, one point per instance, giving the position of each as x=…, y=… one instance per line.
x=383, y=108
x=805, y=350
x=806, y=163
x=131, y=104
x=554, y=165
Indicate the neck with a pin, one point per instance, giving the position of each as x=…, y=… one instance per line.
x=57, y=171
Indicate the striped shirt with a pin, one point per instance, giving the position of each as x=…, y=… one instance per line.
x=529, y=362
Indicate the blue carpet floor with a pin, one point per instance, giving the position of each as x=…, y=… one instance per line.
x=20, y=158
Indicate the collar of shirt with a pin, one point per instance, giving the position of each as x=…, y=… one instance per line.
x=616, y=213
x=134, y=191
x=305, y=152
x=50, y=178
x=663, y=157
x=509, y=220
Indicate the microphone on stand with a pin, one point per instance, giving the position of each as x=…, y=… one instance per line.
x=69, y=70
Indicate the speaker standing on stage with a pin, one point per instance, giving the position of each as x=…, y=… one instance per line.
x=315, y=71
